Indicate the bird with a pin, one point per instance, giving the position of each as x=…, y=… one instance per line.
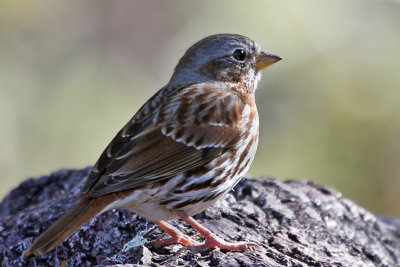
x=186, y=147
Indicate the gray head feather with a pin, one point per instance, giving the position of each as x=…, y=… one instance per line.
x=215, y=47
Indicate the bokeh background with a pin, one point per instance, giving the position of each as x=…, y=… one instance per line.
x=73, y=72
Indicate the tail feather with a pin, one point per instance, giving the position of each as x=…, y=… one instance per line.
x=86, y=209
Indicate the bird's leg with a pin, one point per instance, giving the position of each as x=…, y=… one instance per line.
x=177, y=237
x=213, y=241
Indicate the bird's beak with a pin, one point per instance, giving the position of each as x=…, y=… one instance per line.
x=265, y=59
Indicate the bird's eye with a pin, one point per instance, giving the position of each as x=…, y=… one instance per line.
x=239, y=55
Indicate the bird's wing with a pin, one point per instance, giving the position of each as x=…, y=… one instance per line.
x=167, y=142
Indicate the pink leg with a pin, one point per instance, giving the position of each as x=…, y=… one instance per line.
x=176, y=237
x=213, y=241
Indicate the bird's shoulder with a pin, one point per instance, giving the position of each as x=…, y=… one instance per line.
x=201, y=104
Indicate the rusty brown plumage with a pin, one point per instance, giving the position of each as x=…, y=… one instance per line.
x=187, y=146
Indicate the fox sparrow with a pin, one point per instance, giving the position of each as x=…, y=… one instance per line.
x=186, y=147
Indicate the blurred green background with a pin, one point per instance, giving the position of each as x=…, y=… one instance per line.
x=73, y=72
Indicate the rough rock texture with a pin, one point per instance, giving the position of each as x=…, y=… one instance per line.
x=297, y=224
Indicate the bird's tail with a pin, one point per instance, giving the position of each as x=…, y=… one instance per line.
x=86, y=209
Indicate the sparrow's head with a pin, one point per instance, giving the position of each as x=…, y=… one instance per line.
x=223, y=57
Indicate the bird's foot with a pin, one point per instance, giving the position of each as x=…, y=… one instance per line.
x=176, y=239
x=213, y=241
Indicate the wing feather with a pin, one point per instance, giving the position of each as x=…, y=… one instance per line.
x=157, y=147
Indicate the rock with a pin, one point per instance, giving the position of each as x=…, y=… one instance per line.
x=297, y=224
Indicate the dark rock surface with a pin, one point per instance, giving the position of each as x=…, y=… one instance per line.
x=297, y=224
